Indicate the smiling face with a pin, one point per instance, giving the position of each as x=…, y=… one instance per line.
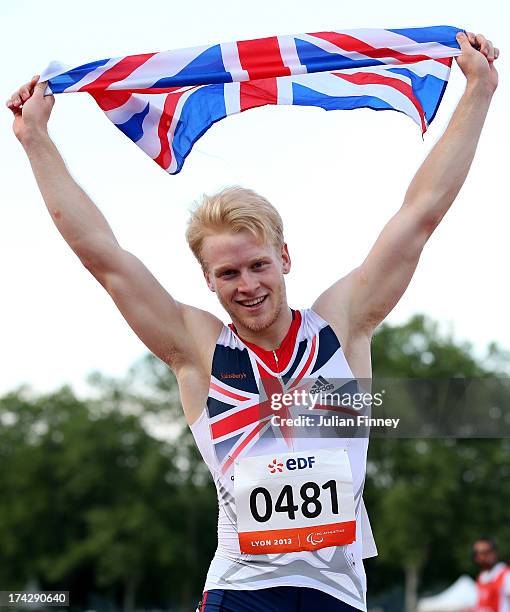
x=247, y=276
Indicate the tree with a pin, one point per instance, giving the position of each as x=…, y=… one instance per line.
x=419, y=488
x=91, y=500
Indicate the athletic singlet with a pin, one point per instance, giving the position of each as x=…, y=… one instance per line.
x=233, y=426
x=494, y=589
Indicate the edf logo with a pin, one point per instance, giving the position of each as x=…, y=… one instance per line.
x=291, y=464
x=300, y=463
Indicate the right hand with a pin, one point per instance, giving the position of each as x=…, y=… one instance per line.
x=477, y=59
x=31, y=109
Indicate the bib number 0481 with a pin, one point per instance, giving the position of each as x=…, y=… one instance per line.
x=306, y=505
x=310, y=504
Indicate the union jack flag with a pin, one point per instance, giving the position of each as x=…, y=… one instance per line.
x=240, y=416
x=165, y=101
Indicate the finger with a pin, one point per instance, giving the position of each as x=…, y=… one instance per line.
x=28, y=89
x=15, y=111
x=482, y=44
x=33, y=83
x=49, y=99
x=19, y=96
x=39, y=89
x=24, y=93
x=496, y=53
x=471, y=38
x=463, y=40
x=490, y=51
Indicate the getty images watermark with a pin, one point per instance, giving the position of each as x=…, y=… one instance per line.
x=324, y=403
x=389, y=407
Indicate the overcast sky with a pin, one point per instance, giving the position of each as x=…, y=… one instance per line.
x=336, y=178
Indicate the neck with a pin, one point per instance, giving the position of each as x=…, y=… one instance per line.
x=271, y=337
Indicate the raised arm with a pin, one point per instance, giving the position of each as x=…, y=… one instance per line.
x=166, y=327
x=361, y=300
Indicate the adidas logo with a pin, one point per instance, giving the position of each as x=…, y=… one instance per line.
x=321, y=385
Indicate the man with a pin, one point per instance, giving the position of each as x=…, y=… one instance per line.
x=493, y=583
x=292, y=529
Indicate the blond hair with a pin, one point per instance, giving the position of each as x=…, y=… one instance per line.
x=233, y=209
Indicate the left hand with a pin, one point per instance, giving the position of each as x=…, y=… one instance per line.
x=477, y=59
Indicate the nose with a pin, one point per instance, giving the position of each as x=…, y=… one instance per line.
x=248, y=283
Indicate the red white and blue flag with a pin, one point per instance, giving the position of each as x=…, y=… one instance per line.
x=165, y=101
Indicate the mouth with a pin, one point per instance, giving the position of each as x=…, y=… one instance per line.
x=252, y=304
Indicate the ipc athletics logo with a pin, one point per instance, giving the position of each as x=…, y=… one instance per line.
x=315, y=538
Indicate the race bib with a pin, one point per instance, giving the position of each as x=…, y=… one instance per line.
x=294, y=501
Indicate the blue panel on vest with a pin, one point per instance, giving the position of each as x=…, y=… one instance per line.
x=328, y=345
x=232, y=366
x=350, y=388
x=215, y=407
x=299, y=355
x=222, y=448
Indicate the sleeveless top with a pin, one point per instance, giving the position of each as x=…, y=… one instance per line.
x=233, y=425
x=494, y=589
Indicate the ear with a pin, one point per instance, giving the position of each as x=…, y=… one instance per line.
x=286, y=262
x=208, y=280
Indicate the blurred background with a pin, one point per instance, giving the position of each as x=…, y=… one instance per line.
x=102, y=491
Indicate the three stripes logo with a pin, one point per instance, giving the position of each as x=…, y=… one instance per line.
x=321, y=385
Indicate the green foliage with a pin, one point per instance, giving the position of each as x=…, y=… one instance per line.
x=430, y=498
x=87, y=491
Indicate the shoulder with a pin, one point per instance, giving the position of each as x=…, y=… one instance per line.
x=207, y=321
x=203, y=329
x=354, y=341
x=193, y=372
x=335, y=305
x=311, y=322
